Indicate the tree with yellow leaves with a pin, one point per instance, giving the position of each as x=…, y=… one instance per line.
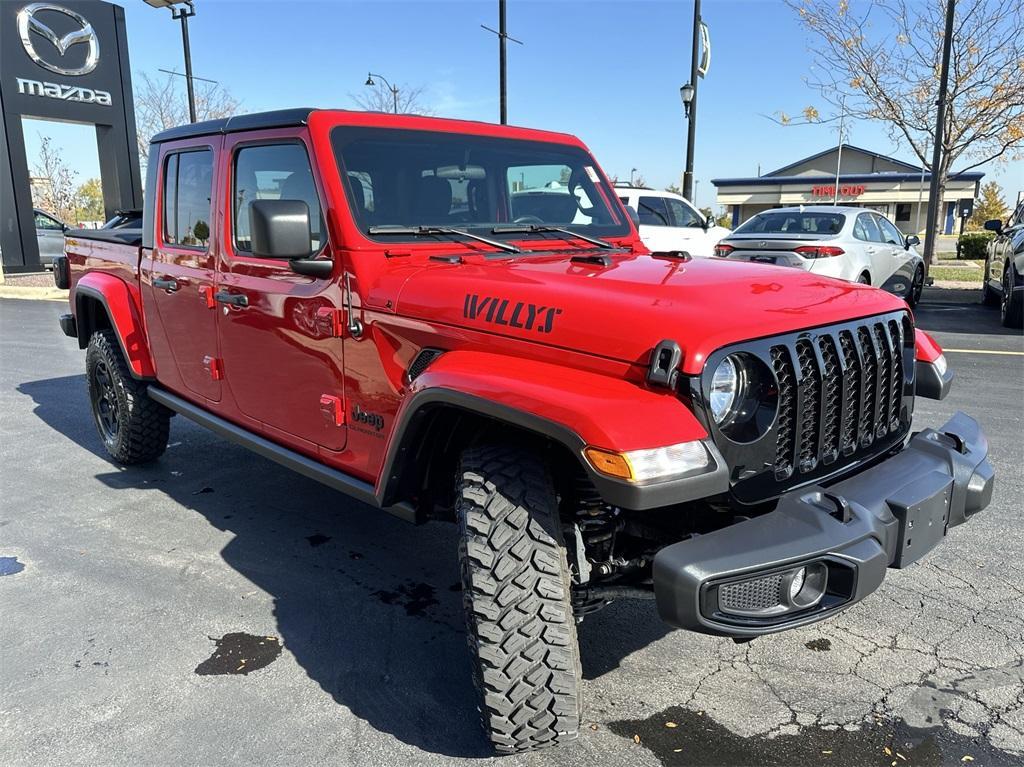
x=882, y=59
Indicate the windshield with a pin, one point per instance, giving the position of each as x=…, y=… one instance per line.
x=402, y=178
x=793, y=222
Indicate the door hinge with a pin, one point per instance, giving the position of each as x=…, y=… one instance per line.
x=332, y=410
x=214, y=366
x=331, y=321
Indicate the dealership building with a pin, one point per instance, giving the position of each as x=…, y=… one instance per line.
x=866, y=179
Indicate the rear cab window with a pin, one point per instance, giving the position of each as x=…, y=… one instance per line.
x=187, y=190
x=653, y=211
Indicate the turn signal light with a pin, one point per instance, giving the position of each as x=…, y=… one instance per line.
x=654, y=464
x=818, y=251
x=722, y=250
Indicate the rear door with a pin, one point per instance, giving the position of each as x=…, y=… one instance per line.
x=180, y=279
x=655, y=223
x=283, y=366
x=901, y=263
x=50, y=237
x=879, y=255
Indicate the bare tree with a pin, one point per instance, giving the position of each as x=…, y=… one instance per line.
x=379, y=98
x=882, y=58
x=161, y=103
x=57, y=192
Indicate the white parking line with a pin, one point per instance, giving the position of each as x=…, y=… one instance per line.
x=984, y=351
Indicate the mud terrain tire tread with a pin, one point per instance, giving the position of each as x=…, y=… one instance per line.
x=144, y=425
x=516, y=590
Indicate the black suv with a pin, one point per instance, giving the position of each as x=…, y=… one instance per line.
x=1004, y=268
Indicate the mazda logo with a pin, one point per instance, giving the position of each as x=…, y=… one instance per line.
x=28, y=23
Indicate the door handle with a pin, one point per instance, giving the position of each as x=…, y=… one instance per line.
x=233, y=299
x=165, y=283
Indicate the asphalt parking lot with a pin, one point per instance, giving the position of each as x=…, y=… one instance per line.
x=129, y=599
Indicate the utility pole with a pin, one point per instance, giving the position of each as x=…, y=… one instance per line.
x=920, y=191
x=503, y=36
x=691, y=128
x=940, y=117
x=184, y=13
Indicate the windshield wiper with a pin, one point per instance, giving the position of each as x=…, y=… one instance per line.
x=530, y=228
x=423, y=231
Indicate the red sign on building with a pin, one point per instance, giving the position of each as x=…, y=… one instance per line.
x=846, y=190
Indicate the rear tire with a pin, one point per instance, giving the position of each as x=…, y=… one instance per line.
x=133, y=427
x=516, y=587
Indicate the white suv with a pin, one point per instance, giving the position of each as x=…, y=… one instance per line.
x=669, y=222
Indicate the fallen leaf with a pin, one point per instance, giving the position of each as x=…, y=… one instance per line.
x=894, y=763
x=901, y=756
x=967, y=758
x=826, y=752
x=636, y=738
x=888, y=751
x=593, y=726
x=676, y=750
x=671, y=724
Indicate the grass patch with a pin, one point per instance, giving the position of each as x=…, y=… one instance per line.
x=958, y=273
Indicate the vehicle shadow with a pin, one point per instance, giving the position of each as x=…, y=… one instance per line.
x=369, y=606
x=944, y=310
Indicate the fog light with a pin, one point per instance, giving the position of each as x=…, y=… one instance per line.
x=805, y=586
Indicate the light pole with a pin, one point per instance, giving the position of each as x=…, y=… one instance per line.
x=632, y=172
x=689, y=95
x=390, y=87
x=182, y=9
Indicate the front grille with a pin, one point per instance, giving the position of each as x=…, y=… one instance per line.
x=870, y=370
x=845, y=393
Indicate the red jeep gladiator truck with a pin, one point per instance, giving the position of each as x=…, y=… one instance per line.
x=457, y=321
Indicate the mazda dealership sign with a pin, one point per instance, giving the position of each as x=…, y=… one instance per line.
x=65, y=61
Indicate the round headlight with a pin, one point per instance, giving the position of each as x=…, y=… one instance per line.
x=724, y=385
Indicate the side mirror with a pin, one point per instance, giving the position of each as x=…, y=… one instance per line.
x=633, y=215
x=912, y=240
x=706, y=223
x=280, y=229
x=994, y=225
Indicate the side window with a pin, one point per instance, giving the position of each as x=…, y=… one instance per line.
x=903, y=212
x=188, y=181
x=889, y=232
x=866, y=229
x=49, y=224
x=683, y=214
x=653, y=212
x=274, y=172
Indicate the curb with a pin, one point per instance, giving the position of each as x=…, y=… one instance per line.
x=33, y=293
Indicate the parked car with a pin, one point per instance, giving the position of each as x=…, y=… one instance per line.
x=669, y=223
x=1004, y=268
x=598, y=422
x=848, y=243
x=50, y=236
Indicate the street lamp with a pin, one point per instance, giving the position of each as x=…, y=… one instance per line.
x=390, y=87
x=686, y=94
x=631, y=172
x=182, y=9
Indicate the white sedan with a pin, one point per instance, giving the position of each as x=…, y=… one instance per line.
x=854, y=244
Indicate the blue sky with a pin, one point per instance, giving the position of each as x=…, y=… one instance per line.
x=608, y=72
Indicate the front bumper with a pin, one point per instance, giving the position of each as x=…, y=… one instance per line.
x=887, y=516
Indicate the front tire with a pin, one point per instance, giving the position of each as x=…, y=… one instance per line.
x=133, y=427
x=516, y=587
x=864, y=279
x=1011, y=311
x=916, y=288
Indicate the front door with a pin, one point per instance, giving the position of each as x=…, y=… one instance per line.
x=283, y=362
x=180, y=280
x=901, y=265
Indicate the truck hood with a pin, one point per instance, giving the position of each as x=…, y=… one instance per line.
x=623, y=310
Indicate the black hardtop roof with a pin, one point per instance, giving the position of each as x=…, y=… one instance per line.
x=280, y=118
